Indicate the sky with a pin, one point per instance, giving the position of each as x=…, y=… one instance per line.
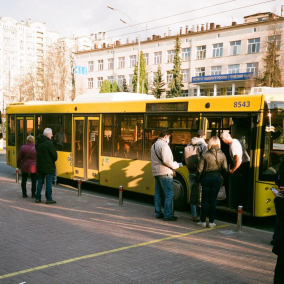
x=84, y=17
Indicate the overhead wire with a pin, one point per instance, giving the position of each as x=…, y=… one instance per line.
x=213, y=14
x=154, y=20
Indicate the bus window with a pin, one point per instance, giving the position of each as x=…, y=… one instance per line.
x=93, y=128
x=107, y=135
x=62, y=134
x=128, y=133
x=181, y=126
x=11, y=130
x=53, y=121
x=272, y=145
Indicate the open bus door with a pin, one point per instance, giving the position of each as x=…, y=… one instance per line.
x=241, y=127
x=86, y=148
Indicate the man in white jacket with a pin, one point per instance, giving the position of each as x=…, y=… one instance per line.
x=162, y=167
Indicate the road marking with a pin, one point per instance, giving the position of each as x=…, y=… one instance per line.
x=108, y=252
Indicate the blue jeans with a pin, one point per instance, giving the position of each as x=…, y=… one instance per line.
x=210, y=189
x=48, y=192
x=164, y=185
x=192, y=179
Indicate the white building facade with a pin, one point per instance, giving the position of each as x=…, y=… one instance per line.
x=215, y=60
x=22, y=48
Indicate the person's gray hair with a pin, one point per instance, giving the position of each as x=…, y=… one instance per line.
x=30, y=138
x=47, y=131
x=214, y=141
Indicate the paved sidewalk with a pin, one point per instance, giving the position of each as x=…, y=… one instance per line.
x=91, y=239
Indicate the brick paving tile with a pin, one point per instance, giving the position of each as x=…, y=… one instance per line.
x=34, y=235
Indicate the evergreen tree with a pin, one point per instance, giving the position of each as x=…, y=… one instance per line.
x=158, y=84
x=124, y=86
x=114, y=87
x=134, y=79
x=106, y=87
x=143, y=88
x=271, y=76
x=176, y=84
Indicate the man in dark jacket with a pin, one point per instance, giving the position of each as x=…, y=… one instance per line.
x=45, y=164
x=278, y=247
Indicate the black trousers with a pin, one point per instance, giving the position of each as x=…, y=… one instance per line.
x=24, y=183
x=279, y=270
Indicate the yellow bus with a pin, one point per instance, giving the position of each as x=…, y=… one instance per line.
x=106, y=139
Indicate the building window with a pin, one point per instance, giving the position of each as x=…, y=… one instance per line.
x=184, y=93
x=90, y=66
x=218, y=50
x=253, y=45
x=158, y=57
x=171, y=55
x=169, y=77
x=201, y=52
x=277, y=38
x=185, y=54
x=100, y=81
x=200, y=71
x=253, y=67
x=235, y=47
x=216, y=70
x=132, y=62
x=121, y=62
x=185, y=75
x=100, y=65
x=110, y=79
x=211, y=92
x=146, y=58
x=229, y=91
x=234, y=68
x=130, y=80
x=120, y=80
x=110, y=64
x=90, y=83
x=254, y=30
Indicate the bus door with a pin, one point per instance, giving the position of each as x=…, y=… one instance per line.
x=242, y=128
x=24, y=128
x=86, y=148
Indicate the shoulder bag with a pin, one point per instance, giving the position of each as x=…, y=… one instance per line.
x=22, y=160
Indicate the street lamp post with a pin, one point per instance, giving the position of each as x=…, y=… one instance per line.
x=134, y=27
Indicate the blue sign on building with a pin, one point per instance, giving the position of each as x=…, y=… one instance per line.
x=81, y=70
x=222, y=77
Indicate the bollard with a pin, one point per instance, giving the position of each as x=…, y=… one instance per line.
x=239, y=222
x=120, y=195
x=17, y=175
x=45, y=184
x=79, y=187
x=55, y=177
x=173, y=207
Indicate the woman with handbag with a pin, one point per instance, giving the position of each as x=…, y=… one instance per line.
x=26, y=161
x=211, y=168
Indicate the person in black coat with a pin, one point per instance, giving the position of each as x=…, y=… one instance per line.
x=45, y=164
x=278, y=247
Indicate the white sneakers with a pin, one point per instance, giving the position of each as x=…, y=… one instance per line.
x=204, y=225
x=211, y=225
x=201, y=224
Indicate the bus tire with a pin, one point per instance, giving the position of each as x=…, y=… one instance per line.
x=180, y=192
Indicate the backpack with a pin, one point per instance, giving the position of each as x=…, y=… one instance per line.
x=192, y=155
x=280, y=175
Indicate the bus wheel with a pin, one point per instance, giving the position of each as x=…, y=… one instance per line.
x=180, y=193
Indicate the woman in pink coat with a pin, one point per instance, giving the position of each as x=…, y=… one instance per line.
x=26, y=161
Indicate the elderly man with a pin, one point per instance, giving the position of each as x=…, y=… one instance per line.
x=162, y=167
x=45, y=164
x=240, y=170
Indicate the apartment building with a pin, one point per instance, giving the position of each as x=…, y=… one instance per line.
x=215, y=60
x=22, y=48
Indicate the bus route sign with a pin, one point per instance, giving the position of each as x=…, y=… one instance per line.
x=81, y=70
